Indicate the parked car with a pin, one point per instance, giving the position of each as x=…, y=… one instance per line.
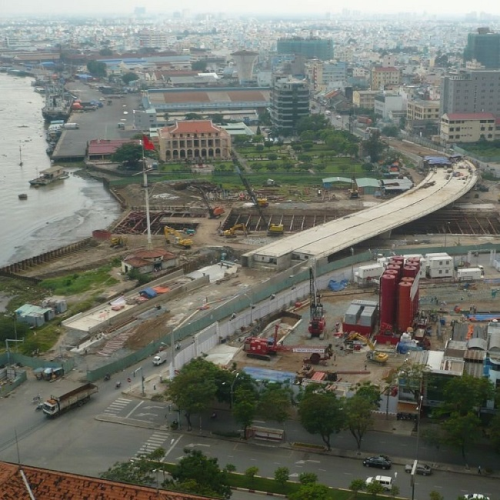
x=384, y=481
x=381, y=462
x=476, y=496
x=422, y=469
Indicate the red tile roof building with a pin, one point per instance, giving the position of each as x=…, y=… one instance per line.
x=25, y=483
x=101, y=149
x=197, y=140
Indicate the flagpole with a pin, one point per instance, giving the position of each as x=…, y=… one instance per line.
x=146, y=194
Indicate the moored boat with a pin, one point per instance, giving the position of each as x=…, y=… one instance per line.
x=22, y=196
x=49, y=175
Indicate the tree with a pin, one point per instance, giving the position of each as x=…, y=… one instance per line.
x=272, y=156
x=356, y=486
x=390, y=131
x=287, y=165
x=130, y=77
x=461, y=431
x=244, y=408
x=312, y=491
x=257, y=166
x=394, y=490
x=193, y=116
x=466, y=394
x=129, y=154
x=321, y=413
x=272, y=167
x=138, y=471
x=307, y=145
x=200, y=66
x=435, y=495
x=308, y=478
x=106, y=52
x=374, y=488
x=358, y=415
x=313, y=123
x=373, y=146
x=193, y=390
x=195, y=473
x=367, y=166
x=275, y=403
x=494, y=432
x=259, y=147
x=320, y=167
x=258, y=131
x=282, y=475
x=251, y=472
x=97, y=68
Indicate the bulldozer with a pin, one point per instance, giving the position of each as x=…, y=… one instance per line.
x=231, y=233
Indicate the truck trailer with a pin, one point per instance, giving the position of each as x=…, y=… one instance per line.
x=56, y=405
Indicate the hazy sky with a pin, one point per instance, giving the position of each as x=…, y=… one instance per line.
x=99, y=7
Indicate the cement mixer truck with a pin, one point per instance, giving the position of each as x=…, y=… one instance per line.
x=56, y=405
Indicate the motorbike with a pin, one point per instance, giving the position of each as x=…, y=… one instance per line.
x=118, y=384
x=107, y=376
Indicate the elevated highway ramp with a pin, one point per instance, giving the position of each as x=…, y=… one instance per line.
x=440, y=188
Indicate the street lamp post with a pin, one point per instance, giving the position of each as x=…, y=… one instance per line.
x=414, y=471
x=231, y=393
x=143, y=393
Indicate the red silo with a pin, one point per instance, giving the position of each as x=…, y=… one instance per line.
x=395, y=267
x=405, y=306
x=393, y=272
x=398, y=259
x=388, y=298
x=410, y=272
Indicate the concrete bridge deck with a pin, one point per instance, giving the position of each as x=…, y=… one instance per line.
x=439, y=189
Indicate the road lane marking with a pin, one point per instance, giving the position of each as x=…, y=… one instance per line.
x=132, y=411
x=171, y=448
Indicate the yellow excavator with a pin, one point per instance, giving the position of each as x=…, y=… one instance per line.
x=117, y=242
x=372, y=354
x=231, y=233
x=186, y=243
x=354, y=191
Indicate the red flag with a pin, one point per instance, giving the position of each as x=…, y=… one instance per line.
x=147, y=144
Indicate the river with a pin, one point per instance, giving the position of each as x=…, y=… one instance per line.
x=53, y=215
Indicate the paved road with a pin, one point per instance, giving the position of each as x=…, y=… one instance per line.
x=126, y=426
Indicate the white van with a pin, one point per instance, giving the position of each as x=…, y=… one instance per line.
x=385, y=481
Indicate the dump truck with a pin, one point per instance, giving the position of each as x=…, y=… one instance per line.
x=56, y=405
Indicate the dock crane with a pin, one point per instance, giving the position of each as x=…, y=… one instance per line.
x=260, y=203
x=213, y=212
x=317, y=323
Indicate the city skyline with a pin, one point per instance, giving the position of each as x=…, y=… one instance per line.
x=313, y=8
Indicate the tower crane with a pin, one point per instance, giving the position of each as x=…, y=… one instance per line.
x=317, y=323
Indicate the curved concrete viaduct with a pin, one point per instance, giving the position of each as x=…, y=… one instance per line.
x=440, y=188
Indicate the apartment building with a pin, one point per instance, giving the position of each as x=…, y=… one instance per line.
x=324, y=75
x=419, y=110
x=386, y=104
x=289, y=103
x=311, y=48
x=195, y=140
x=364, y=98
x=468, y=127
x=385, y=77
x=471, y=92
x=483, y=47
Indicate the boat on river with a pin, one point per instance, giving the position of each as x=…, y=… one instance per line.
x=49, y=175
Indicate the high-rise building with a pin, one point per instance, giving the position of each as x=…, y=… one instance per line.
x=471, y=92
x=289, y=103
x=483, y=47
x=311, y=48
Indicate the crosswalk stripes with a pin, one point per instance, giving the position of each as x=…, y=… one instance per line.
x=117, y=405
x=155, y=441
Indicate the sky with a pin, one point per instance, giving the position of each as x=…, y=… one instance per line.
x=98, y=7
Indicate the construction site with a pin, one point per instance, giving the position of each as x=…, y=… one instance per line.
x=320, y=323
